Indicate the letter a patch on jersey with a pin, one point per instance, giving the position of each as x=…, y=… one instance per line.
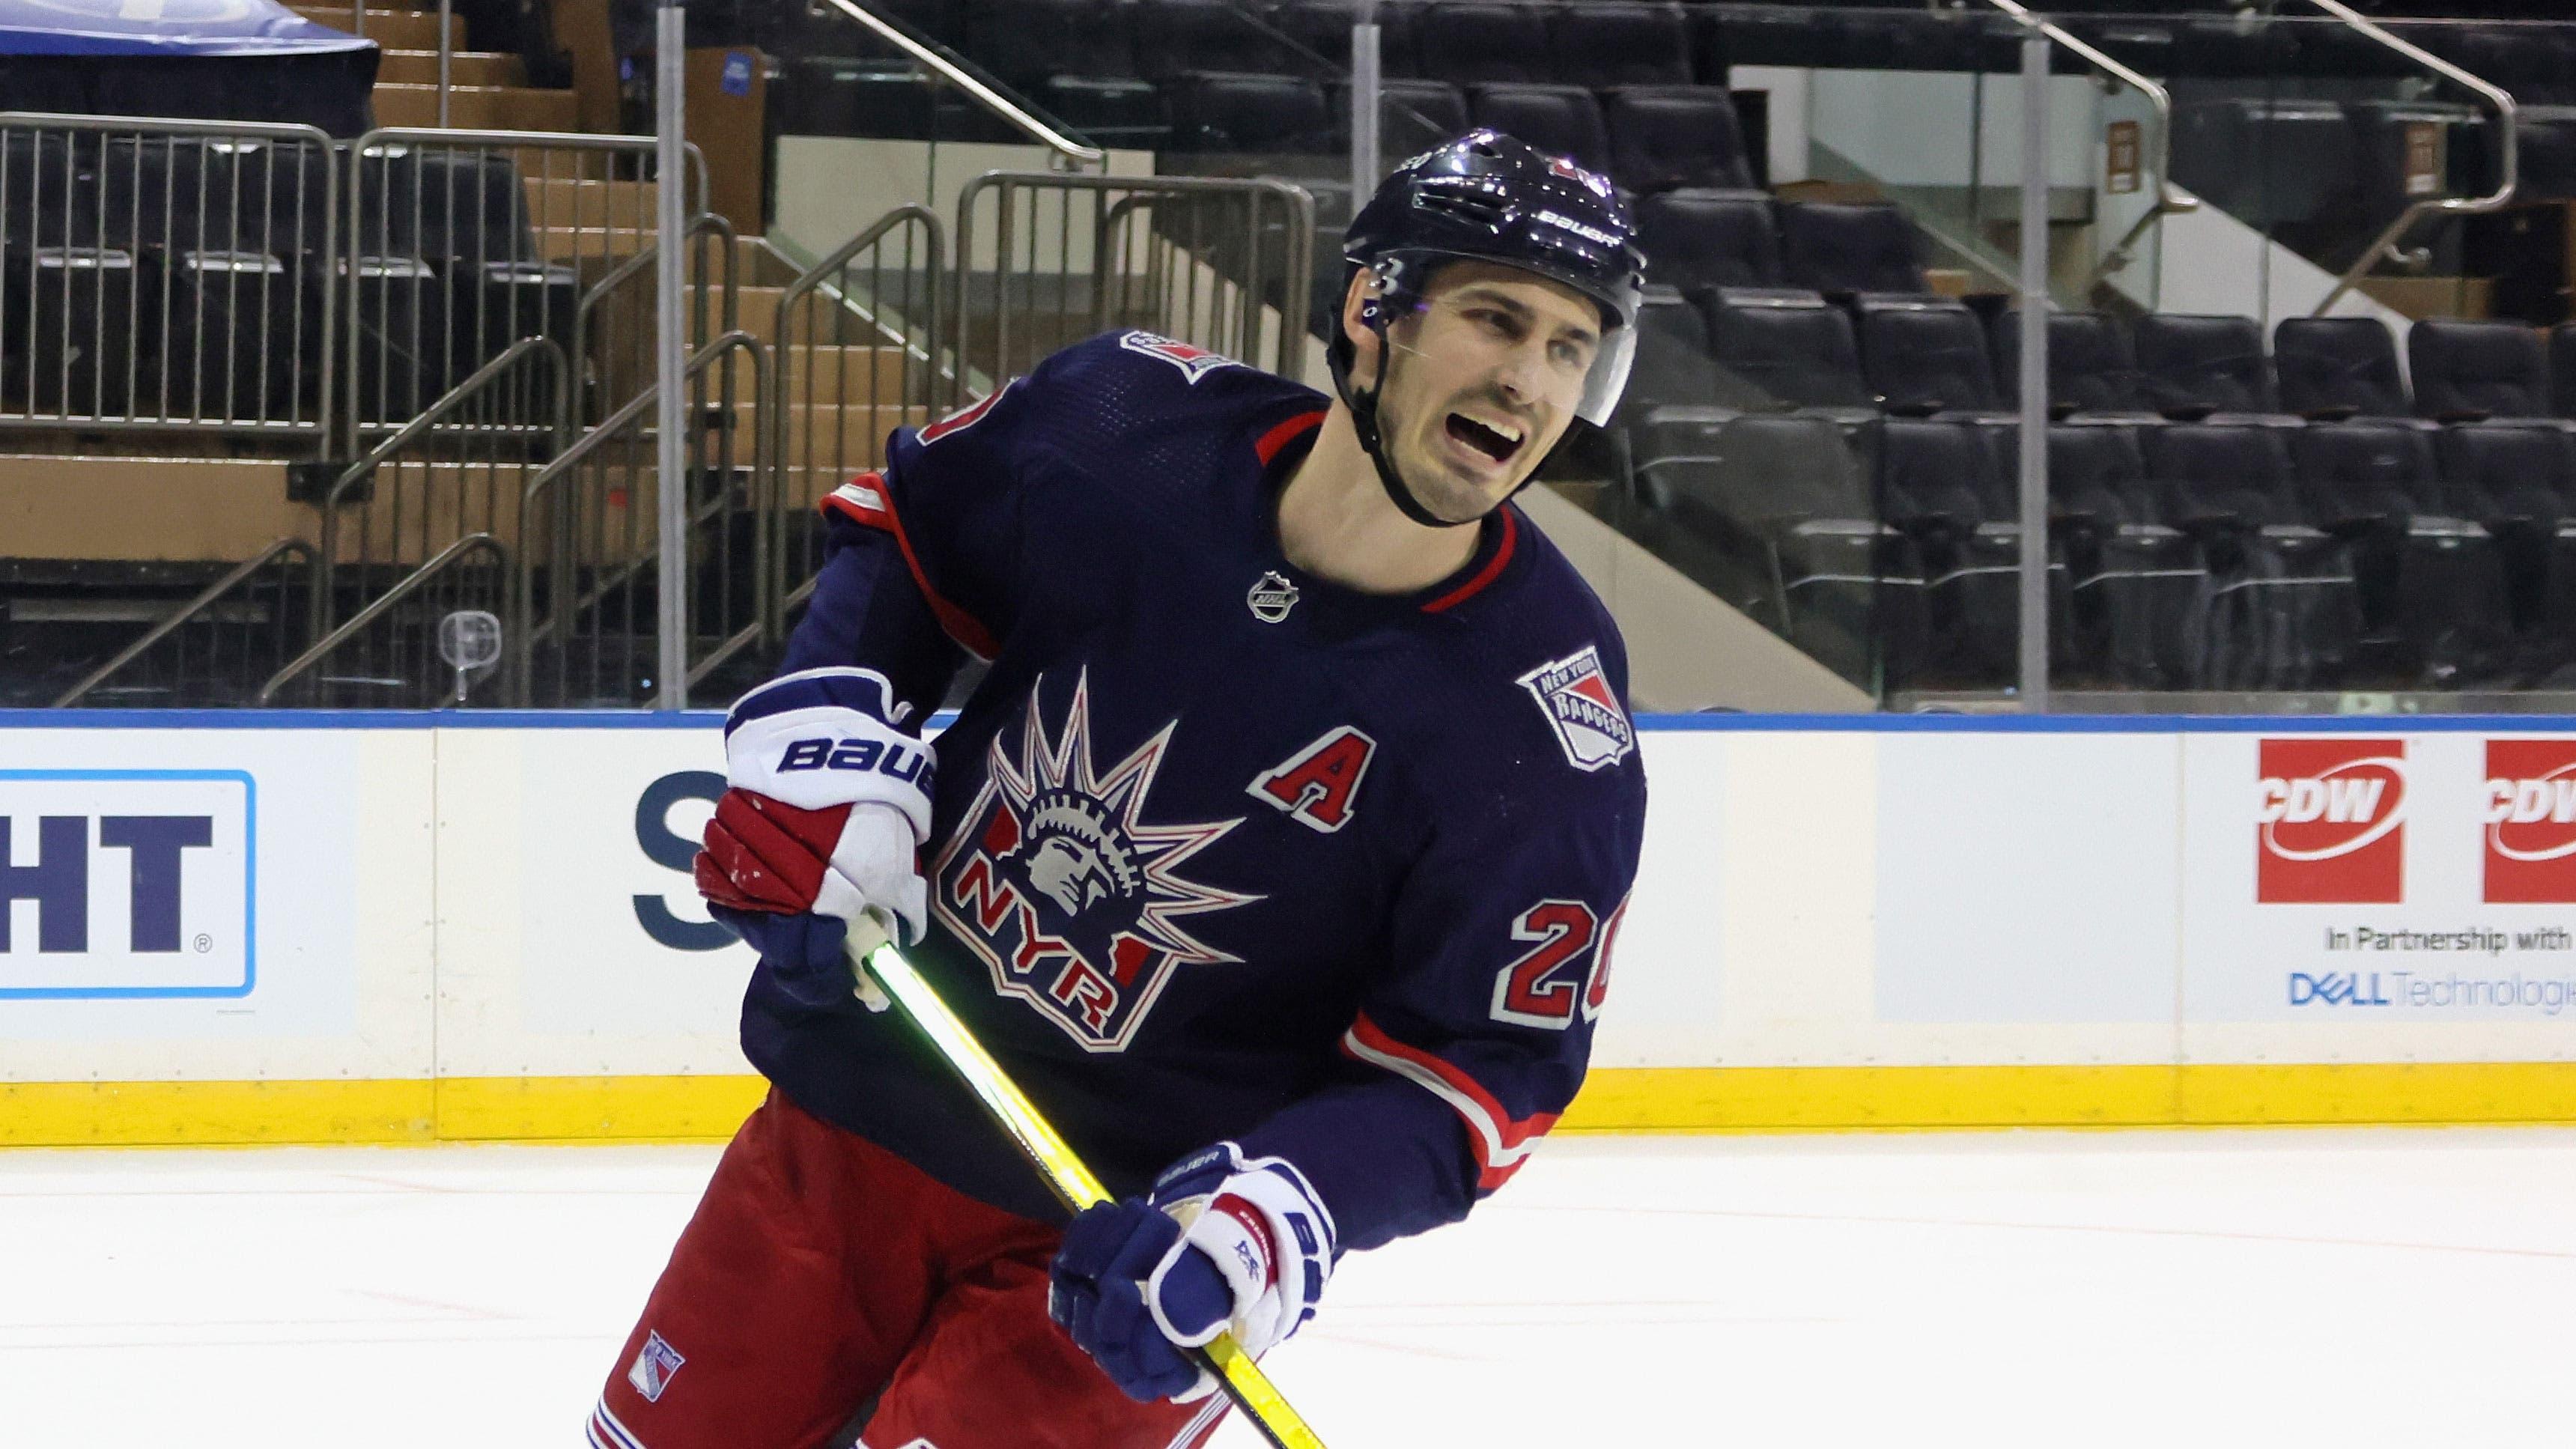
x=1316, y=784
x=1576, y=698
x=1194, y=362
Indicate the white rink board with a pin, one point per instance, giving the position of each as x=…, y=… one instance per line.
x=1813, y=893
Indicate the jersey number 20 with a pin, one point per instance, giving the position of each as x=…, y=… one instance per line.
x=1568, y=969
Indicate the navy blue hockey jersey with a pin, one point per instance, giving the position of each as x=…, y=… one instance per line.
x=1221, y=850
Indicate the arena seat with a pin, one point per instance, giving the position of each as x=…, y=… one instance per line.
x=2562, y=369
x=1265, y=113
x=1322, y=29
x=1695, y=238
x=2519, y=480
x=1560, y=120
x=2193, y=366
x=2338, y=367
x=2429, y=581
x=1944, y=486
x=1840, y=248
x=2139, y=594
x=1924, y=356
x=2285, y=611
x=2092, y=368
x=1662, y=137
x=2470, y=371
x=1412, y=115
x=1783, y=350
x=1482, y=42
x=1603, y=43
x=1174, y=37
x=1672, y=366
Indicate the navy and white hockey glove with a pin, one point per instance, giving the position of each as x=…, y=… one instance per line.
x=820, y=833
x=1220, y=1244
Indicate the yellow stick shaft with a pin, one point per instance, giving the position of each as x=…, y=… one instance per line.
x=1243, y=1380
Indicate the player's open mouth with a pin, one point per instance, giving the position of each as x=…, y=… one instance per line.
x=1497, y=441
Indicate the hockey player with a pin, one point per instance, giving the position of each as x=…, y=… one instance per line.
x=1277, y=856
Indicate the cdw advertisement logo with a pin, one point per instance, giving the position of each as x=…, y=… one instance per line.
x=2330, y=819
x=2531, y=820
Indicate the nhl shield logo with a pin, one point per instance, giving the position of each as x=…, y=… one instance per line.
x=1576, y=698
x=1194, y=362
x=1072, y=897
x=1272, y=597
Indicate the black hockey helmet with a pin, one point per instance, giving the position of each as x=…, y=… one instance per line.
x=1487, y=197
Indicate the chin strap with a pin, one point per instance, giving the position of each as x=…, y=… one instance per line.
x=1363, y=408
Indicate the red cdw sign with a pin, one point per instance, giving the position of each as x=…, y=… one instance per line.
x=2330, y=822
x=2531, y=820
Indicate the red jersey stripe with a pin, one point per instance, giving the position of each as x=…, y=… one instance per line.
x=1485, y=575
x=864, y=500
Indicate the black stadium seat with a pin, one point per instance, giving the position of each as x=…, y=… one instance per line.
x=1924, y=356
x=2190, y=366
x=2520, y=481
x=1177, y=36
x=1602, y=43
x=2562, y=369
x=1560, y=120
x=1945, y=487
x=2338, y=367
x=1412, y=115
x=2092, y=367
x=1319, y=31
x=1672, y=366
x=1783, y=351
x=1699, y=238
x=1667, y=136
x=1837, y=247
x=2469, y=371
x=1265, y=113
x=2140, y=591
x=2284, y=614
x=1481, y=42
x=2430, y=582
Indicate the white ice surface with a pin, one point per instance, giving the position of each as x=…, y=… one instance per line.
x=2272, y=1289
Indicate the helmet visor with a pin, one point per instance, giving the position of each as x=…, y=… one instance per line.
x=1608, y=380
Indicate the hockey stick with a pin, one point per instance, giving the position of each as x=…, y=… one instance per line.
x=1074, y=1185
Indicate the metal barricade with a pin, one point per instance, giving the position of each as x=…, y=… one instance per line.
x=167, y=275
x=584, y=627
x=857, y=357
x=614, y=323
x=216, y=648
x=461, y=243
x=1045, y=259
x=456, y=471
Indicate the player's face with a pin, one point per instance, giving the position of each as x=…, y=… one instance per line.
x=1493, y=368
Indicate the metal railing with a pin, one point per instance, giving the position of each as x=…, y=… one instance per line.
x=455, y=471
x=613, y=324
x=166, y=275
x=2387, y=245
x=2170, y=198
x=404, y=669
x=1219, y=263
x=240, y=640
x=857, y=355
x=462, y=242
x=1018, y=117
x=584, y=623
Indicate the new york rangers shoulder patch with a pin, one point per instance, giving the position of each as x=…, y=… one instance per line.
x=1575, y=696
x=1194, y=362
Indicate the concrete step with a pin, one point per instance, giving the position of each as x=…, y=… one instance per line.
x=465, y=67
x=203, y=510
x=559, y=201
x=391, y=29
x=478, y=108
x=830, y=441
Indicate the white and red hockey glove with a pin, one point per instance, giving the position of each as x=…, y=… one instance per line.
x=819, y=835
x=1220, y=1244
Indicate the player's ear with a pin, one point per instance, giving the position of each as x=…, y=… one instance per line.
x=1363, y=338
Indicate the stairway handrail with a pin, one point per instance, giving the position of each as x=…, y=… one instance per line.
x=205, y=599
x=2509, y=173
x=476, y=542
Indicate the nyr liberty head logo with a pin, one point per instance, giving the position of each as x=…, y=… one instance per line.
x=1072, y=897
